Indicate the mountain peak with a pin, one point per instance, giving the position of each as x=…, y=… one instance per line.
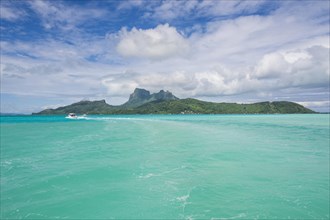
x=142, y=96
x=162, y=95
x=140, y=92
x=139, y=95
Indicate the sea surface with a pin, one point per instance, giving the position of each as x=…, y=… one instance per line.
x=165, y=167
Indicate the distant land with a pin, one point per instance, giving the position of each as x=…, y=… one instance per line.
x=11, y=114
x=142, y=101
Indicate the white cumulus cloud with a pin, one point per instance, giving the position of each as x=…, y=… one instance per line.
x=158, y=43
x=309, y=67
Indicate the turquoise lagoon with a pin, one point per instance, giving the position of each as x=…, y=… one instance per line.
x=165, y=167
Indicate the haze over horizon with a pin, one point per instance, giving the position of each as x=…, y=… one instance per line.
x=54, y=53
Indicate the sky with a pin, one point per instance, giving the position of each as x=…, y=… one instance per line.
x=54, y=53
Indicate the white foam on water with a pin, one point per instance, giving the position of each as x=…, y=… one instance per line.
x=160, y=174
x=147, y=176
x=184, y=200
x=35, y=215
x=241, y=215
x=43, y=216
x=6, y=163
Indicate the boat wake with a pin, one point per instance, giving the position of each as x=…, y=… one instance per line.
x=77, y=118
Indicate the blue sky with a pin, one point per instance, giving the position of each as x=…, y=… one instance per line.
x=54, y=53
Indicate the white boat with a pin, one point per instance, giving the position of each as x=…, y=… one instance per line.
x=72, y=116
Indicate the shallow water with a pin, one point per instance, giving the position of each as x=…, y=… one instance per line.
x=167, y=166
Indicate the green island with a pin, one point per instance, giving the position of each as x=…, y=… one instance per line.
x=164, y=102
